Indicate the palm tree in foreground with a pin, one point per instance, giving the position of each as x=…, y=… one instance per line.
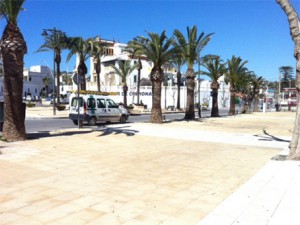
x=190, y=48
x=294, y=22
x=158, y=49
x=13, y=47
x=124, y=70
x=215, y=69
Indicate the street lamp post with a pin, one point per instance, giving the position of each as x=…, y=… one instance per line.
x=199, y=87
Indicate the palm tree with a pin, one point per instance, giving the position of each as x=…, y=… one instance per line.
x=215, y=69
x=82, y=49
x=294, y=21
x=286, y=73
x=235, y=71
x=158, y=49
x=46, y=84
x=97, y=50
x=256, y=84
x=67, y=78
x=190, y=49
x=13, y=48
x=178, y=62
x=55, y=40
x=124, y=70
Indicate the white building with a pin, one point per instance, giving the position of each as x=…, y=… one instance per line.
x=33, y=80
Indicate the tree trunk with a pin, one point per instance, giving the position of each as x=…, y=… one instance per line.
x=125, y=89
x=97, y=65
x=156, y=79
x=178, y=89
x=13, y=48
x=190, y=85
x=232, y=102
x=255, y=109
x=82, y=70
x=295, y=33
x=215, y=107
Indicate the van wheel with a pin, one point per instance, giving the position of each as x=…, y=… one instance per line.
x=92, y=121
x=123, y=119
x=75, y=122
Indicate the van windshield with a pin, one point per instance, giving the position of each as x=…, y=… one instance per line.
x=75, y=100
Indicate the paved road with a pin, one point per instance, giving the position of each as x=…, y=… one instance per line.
x=45, y=125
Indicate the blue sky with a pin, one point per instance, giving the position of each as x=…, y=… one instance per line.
x=254, y=30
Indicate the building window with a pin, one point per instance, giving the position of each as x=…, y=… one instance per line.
x=109, y=51
x=35, y=90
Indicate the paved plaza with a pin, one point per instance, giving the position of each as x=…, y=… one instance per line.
x=216, y=171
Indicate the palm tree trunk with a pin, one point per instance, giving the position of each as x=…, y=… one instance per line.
x=255, y=103
x=178, y=89
x=232, y=103
x=156, y=79
x=82, y=70
x=125, y=89
x=295, y=33
x=13, y=48
x=215, y=107
x=97, y=64
x=190, y=105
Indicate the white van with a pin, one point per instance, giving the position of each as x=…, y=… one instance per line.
x=96, y=108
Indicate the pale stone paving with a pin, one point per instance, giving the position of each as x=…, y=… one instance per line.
x=157, y=175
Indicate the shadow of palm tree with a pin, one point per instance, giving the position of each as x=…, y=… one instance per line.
x=116, y=130
x=269, y=137
x=45, y=134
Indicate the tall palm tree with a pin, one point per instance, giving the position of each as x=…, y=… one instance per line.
x=215, y=69
x=235, y=71
x=82, y=48
x=55, y=40
x=13, y=48
x=124, y=70
x=158, y=49
x=286, y=73
x=190, y=49
x=97, y=50
x=294, y=21
x=178, y=61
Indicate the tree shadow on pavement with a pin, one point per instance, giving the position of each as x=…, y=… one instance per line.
x=269, y=137
x=45, y=134
x=117, y=130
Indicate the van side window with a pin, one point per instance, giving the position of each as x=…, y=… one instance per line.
x=74, y=102
x=91, y=103
x=111, y=104
x=101, y=103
